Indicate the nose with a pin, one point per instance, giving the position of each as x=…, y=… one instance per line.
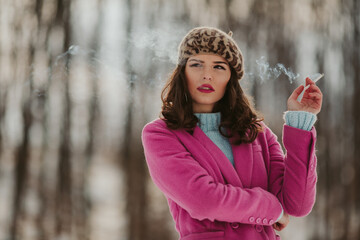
x=207, y=75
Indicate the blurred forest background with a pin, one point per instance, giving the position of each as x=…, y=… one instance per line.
x=80, y=78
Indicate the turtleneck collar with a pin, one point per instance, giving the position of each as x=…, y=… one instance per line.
x=209, y=121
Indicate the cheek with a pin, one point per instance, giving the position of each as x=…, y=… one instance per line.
x=191, y=81
x=223, y=85
x=190, y=78
x=223, y=88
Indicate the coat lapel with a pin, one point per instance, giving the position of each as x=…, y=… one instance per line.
x=222, y=161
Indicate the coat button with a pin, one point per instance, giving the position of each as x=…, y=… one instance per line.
x=258, y=220
x=271, y=222
x=251, y=219
x=265, y=221
x=234, y=225
x=258, y=228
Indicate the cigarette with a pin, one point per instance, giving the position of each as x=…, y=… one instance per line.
x=318, y=78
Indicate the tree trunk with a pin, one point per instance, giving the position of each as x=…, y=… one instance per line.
x=355, y=62
x=22, y=152
x=131, y=158
x=64, y=175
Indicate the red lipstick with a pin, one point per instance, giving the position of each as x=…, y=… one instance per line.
x=206, y=88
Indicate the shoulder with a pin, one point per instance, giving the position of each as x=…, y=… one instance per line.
x=156, y=127
x=157, y=124
x=156, y=136
x=264, y=128
x=263, y=125
x=266, y=133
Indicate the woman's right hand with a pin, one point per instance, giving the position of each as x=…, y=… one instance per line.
x=311, y=101
x=282, y=223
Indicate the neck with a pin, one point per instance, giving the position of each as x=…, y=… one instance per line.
x=203, y=108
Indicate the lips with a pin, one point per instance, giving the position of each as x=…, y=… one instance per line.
x=206, y=88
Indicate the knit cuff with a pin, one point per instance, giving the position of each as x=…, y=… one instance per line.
x=300, y=119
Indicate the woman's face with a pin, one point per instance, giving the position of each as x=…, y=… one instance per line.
x=207, y=76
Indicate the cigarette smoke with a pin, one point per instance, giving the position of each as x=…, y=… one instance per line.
x=163, y=43
x=266, y=72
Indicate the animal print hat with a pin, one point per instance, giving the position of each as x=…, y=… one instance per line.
x=209, y=40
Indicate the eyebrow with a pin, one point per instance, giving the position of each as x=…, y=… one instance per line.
x=221, y=62
x=217, y=62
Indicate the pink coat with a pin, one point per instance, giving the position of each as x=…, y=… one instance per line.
x=209, y=198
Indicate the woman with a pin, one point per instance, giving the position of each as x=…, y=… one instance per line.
x=220, y=167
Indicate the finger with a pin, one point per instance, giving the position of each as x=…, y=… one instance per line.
x=281, y=227
x=310, y=86
x=297, y=92
x=315, y=96
x=313, y=99
x=314, y=88
x=313, y=92
x=276, y=227
x=309, y=81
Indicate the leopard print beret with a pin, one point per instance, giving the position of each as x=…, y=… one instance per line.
x=211, y=40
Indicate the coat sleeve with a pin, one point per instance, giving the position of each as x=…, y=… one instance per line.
x=292, y=178
x=181, y=178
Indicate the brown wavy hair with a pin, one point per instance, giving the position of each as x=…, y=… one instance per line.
x=237, y=112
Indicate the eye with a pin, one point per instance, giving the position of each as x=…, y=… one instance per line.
x=195, y=65
x=219, y=67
